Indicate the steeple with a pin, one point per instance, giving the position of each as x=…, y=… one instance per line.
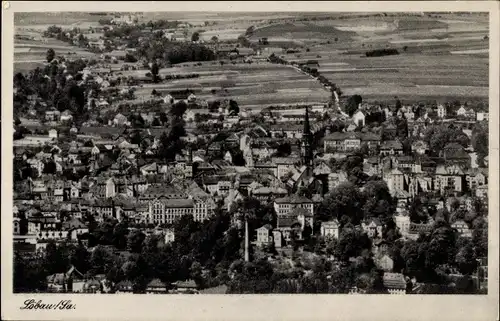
x=307, y=153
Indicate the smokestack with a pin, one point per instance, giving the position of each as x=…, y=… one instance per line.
x=247, y=255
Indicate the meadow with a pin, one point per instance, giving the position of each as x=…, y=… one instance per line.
x=440, y=55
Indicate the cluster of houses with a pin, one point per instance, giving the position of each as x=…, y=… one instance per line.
x=126, y=179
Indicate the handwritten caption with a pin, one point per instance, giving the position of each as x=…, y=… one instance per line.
x=33, y=304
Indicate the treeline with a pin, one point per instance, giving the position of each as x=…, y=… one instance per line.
x=196, y=244
x=382, y=52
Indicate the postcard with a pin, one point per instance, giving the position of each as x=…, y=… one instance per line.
x=250, y=160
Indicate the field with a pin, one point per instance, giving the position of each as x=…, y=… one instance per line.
x=440, y=55
x=253, y=86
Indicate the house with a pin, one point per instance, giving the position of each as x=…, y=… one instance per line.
x=395, y=283
x=482, y=192
x=169, y=236
x=449, y=177
x=345, y=142
x=359, y=118
x=470, y=113
x=286, y=130
x=385, y=263
x=52, y=115
x=53, y=133
x=336, y=178
x=461, y=111
x=156, y=286
x=482, y=116
x=456, y=154
x=264, y=235
x=441, y=111
x=462, y=228
x=66, y=116
x=125, y=286
x=476, y=177
x=277, y=238
x=188, y=286
x=402, y=220
x=372, y=227
x=395, y=180
x=419, y=147
x=285, y=205
x=166, y=210
x=63, y=282
x=120, y=120
x=391, y=147
x=330, y=229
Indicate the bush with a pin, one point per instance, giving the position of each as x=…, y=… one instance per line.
x=382, y=52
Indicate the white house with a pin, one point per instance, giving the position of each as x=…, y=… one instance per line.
x=461, y=111
x=441, y=111
x=359, y=118
x=53, y=133
x=480, y=116
x=330, y=229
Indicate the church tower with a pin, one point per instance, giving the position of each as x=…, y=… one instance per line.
x=307, y=138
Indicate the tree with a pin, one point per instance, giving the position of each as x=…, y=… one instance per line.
x=465, y=259
x=214, y=39
x=353, y=104
x=351, y=243
x=344, y=199
x=379, y=202
x=80, y=258
x=49, y=167
x=195, y=36
x=135, y=240
x=479, y=141
x=51, y=54
x=233, y=107
x=120, y=233
x=154, y=71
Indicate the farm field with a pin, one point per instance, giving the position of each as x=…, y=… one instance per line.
x=252, y=86
x=441, y=55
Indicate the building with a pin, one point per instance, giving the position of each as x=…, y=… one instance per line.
x=402, y=221
x=372, y=227
x=156, y=286
x=330, y=229
x=264, y=235
x=449, y=177
x=346, y=142
x=359, y=118
x=386, y=263
x=391, y=147
x=419, y=147
x=167, y=210
x=462, y=228
x=395, y=283
x=285, y=205
x=441, y=111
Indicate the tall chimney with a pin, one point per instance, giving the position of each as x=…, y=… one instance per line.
x=247, y=254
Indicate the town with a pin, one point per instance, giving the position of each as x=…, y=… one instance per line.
x=125, y=184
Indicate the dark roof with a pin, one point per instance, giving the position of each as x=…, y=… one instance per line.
x=353, y=135
x=391, y=144
x=156, y=283
x=394, y=281
x=287, y=221
x=300, y=211
x=293, y=199
x=105, y=131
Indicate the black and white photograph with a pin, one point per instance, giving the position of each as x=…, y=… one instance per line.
x=203, y=152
